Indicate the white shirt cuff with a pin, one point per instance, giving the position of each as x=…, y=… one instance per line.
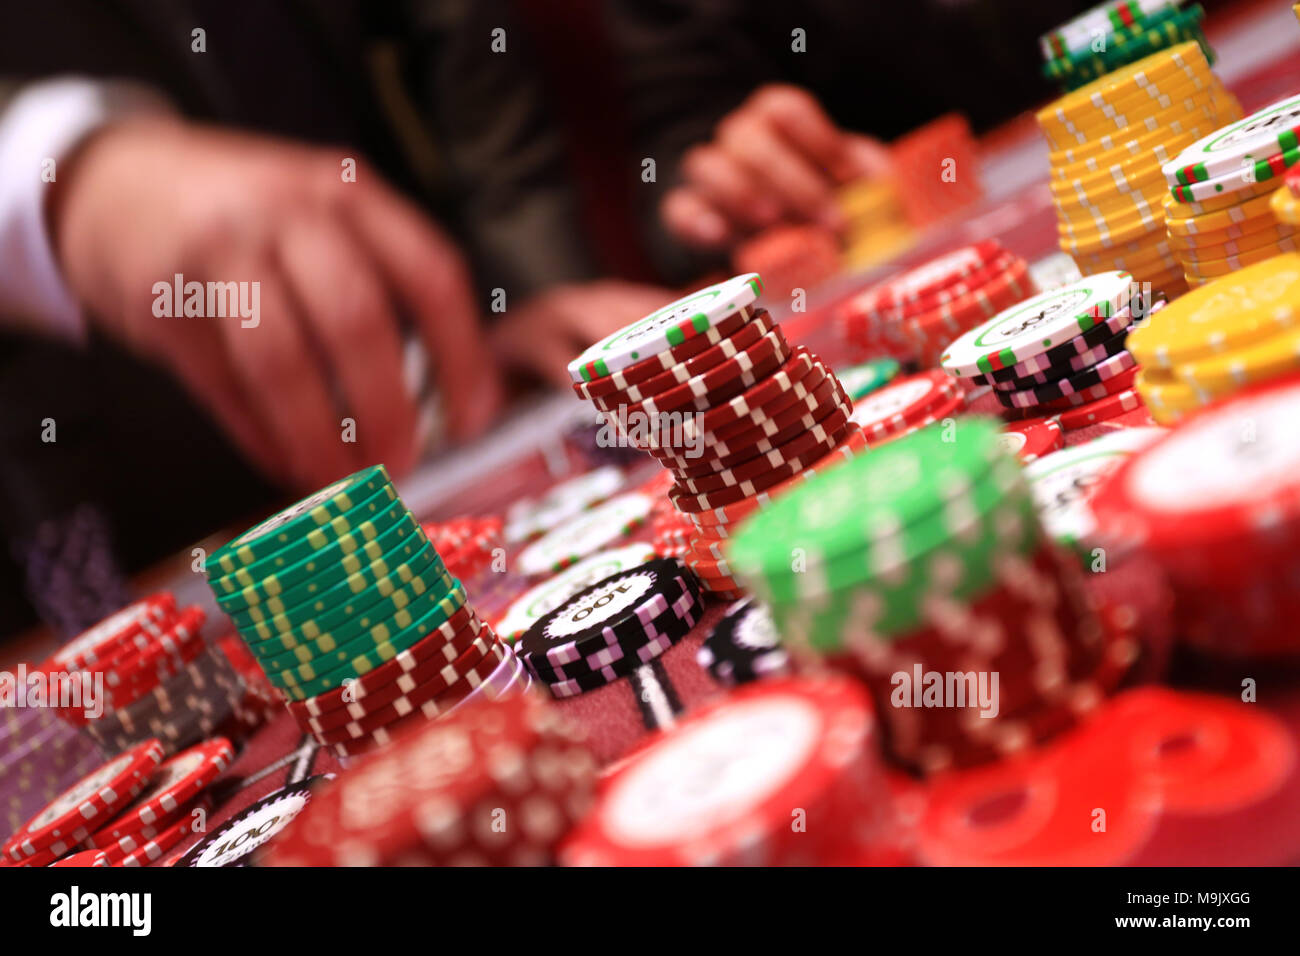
x=44, y=122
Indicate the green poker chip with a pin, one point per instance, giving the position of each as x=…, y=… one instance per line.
x=414, y=557
x=1160, y=30
x=320, y=568
x=351, y=662
x=378, y=512
x=294, y=525
x=860, y=548
x=399, y=608
x=861, y=380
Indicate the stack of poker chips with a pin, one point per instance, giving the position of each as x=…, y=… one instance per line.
x=936, y=169
x=1219, y=212
x=676, y=800
x=1216, y=503
x=608, y=630
x=709, y=386
x=906, y=404
x=1109, y=140
x=924, y=558
x=40, y=756
x=353, y=616
x=1286, y=201
x=1226, y=335
x=160, y=679
x=467, y=544
x=1114, y=34
x=875, y=226
x=1062, y=353
x=914, y=315
x=790, y=257
x=1063, y=484
x=744, y=646
x=497, y=786
x=130, y=811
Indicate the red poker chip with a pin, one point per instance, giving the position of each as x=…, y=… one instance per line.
x=934, y=330
x=778, y=432
x=1106, y=408
x=84, y=858
x=134, y=626
x=801, y=450
x=795, y=369
x=904, y=402
x=605, y=389
x=160, y=656
x=931, y=277
x=451, y=639
x=781, y=400
x=957, y=289
x=422, y=683
x=175, y=784
x=662, y=361
x=92, y=800
x=716, y=385
x=1032, y=438
x=156, y=848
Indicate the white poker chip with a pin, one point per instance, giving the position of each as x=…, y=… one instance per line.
x=667, y=327
x=1231, y=149
x=532, y=517
x=584, y=534
x=1038, y=324
x=537, y=602
x=1063, y=482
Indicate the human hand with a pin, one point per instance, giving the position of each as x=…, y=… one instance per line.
x=335, y=265
x=776, y=158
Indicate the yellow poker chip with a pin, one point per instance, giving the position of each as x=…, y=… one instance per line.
x=1168, y=400
x=1235, y=233
x=1216, y=268
x=1285, y=206
x=1267, y=359
x=1100, y=216
x=1139, y=112
x=1185, y=61
x=1235, y=311
x=1120, y=237
x=1249, y=215
x=1111, y=147
x=1202, y=250
x=1127, y=173
x=1188, y=210
x=1157, y=252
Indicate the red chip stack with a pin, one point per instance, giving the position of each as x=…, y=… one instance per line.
x=159, y=677
x=913, y=316
x=937, y=169
x=497, y=784
x=710, y=387
x=1216, y=504
x=466, y=544
x=906, y=404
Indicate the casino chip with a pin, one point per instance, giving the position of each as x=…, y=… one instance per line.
x=1031, y=439
x=1230, y=333
x=95, y=798
x=1063, y=483
x=84, y=858
x=717, y=789
x=907, y=404
x=607, y=630
x=527, y=519
x=441, y=794
x=1217, y=508
x=743, y=646
x=537, y=602
x=235, y=841
x=584, y=535
x=688, y=317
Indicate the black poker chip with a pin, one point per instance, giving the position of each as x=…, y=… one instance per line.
x=624, y=611
x=1058, y=357
x=234, y=842
x=744, y=646
x=1052, y=373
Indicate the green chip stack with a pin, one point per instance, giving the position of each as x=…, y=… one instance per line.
x=858, y=551
x=1115, y=34
x=334, y=586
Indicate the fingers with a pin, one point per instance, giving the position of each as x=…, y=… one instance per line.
x=278, y=371
x=430, y=281
x=343, y=299
x=689, y=216
x=803, y=190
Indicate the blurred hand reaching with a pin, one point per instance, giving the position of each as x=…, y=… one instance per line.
x=337, y=263
x=776, y=158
